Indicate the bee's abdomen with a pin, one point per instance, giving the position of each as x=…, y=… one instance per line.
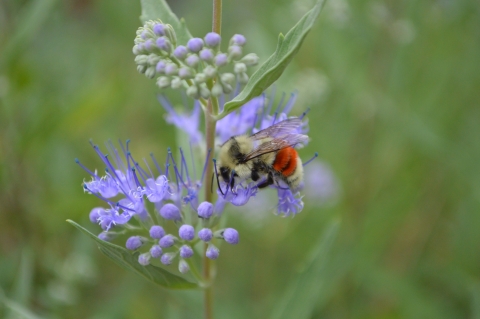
x=286, y=161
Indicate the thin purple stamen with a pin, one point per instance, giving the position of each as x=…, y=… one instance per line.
x=86, y=169
x=156, y=164
x=290, y=103
x=184, y=163
x=193, y=162
x=304, y=113
x=314, y=157
x=146, y=164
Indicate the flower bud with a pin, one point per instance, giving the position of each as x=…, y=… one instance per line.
x=137, y=49
x=221, y=59
x=240, y=68
x=153, y=59
x=156, y=251
x=210, y=71
x=200, y=78
x=171, y=69
x=186, y=232
x=204, y=91
x=148, y=45
x=144, y=259
x=167, y=258
x=231, y=236
x=242, y=78
x=163, y=82
x=106, y=236
x=134, y=242
x=234, y=52
x=205, y=210
x=192, y=60
x=159, y=29
x=238, y=39
x=183, y=266
x=170, y=34
x=217, y=90
x=212, y=39
x=206, y=55
x=195, y=44
x=184, y=73
x=160, y=68
x=150, y=72
x=212, y=252
x=170, y=211
x=141, y=68
x=186, y=251
x=250, y=59
x=176, y=83
x=141, y=59
x=166, y=241
x=180, y=52
x=157, y=232
x=227, y=78
x=205, y=234
x=192, y=91
x=164, y=44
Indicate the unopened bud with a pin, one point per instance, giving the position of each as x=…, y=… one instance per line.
x=176, y=83
x=163, y=82
x=192, y=91
x=250, y=59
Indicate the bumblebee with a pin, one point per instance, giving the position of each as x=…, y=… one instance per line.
x=268, y=156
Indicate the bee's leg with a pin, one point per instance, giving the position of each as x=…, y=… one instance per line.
x=255, y=175
x=266, y=183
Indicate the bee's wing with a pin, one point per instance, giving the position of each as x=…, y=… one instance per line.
x=276, y=144
x=283, y=128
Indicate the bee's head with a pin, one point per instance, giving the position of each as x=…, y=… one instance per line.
x=225, y=173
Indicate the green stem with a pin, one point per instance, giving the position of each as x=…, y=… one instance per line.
x=210, y=124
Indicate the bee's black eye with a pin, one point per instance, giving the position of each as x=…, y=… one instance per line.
x=225, y=173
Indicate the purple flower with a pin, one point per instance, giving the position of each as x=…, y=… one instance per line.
x=231, y=236
x=212, y=252
x=95, y=214
x=188, y=123
x=186, y=232
x=212, y=39
x=134, y=242
x=205, y=234
x=156, y=251
x=195, y=44
x=157, y=232
x=288, y=203
x=156, y=190
x=186, y=251
x=205, y=210
x=166, y=241
x=192, y=60
x=240, y=194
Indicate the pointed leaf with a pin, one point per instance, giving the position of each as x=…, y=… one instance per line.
x=271, y=69
x=159, y=9
x=129, y=261
x=301, y=297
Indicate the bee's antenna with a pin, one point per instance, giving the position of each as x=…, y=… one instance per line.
x=314, y=157
x=216, y=173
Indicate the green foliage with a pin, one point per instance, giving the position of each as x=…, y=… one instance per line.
x=273, y=67
x=129, y=261
x=159, y=9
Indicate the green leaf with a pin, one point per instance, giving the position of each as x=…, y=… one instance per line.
x=301, y=297
x=129, y=261
x=159, y=9
x=271, y=69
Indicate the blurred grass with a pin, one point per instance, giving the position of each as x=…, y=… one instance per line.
x=393, y=88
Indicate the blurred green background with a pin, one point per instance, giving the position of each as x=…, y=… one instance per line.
x=394, y=88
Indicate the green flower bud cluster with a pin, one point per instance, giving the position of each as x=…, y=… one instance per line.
x=199, y=66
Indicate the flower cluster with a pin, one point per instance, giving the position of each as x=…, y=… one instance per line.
x=257, y=114
x=199, y=66
x=132, y=192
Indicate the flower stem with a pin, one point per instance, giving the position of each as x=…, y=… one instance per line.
x=210, y=124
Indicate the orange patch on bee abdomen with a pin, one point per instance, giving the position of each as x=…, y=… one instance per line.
x=286, y=161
